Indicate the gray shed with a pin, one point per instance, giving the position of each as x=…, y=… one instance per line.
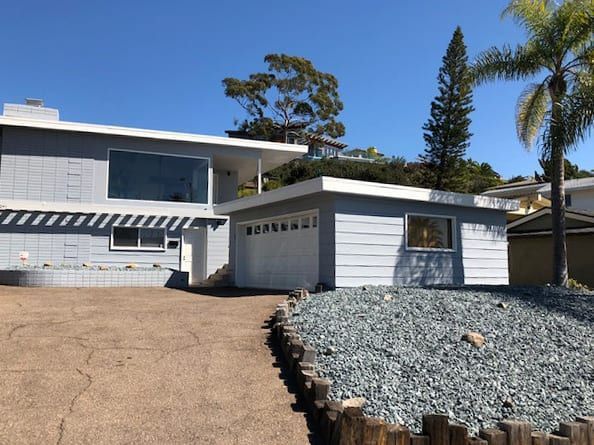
x=345, y=233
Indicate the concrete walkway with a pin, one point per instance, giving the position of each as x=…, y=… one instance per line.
x=156, y=366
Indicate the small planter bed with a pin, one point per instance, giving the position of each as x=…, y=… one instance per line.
x=86, y=276
x=479, y=356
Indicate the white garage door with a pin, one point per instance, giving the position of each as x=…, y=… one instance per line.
x=279, y=253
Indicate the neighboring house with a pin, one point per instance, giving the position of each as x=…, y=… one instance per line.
x=346, y=233
x=530, y=247
x=72, y=193
x=533, y=195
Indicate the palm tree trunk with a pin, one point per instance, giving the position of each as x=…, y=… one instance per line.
x=558, y=200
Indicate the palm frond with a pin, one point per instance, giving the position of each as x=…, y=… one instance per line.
x=506, y=64
x=578, y=116
x=531, y=111
x=534, y=15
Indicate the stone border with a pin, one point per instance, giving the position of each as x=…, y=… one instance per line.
x=90, y=278
x=344, y=423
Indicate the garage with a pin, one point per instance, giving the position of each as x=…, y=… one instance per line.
x=278, y=253
x=346, y=233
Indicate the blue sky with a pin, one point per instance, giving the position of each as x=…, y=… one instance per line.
x=158, y=64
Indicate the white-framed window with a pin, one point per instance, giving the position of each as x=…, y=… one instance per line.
x=265, y=228
x=305, y=222
x=294, y=224
x=274, y=226
x=314, y=221
x=138, y=238
x=248, y=230
x=430, y=232
x=257, y=229
x=284, y=226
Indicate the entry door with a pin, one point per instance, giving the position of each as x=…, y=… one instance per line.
x=194, y=254
x=279, y=253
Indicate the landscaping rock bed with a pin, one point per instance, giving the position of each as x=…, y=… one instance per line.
x=402, y=350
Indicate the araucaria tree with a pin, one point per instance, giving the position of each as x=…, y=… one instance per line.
x=447, y=132
x=293, y=96
x=558, y=108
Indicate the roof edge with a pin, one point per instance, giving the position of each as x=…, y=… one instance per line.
x=149, y=134
x=364, y=188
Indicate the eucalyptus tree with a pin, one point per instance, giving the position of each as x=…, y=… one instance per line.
x=556, y=109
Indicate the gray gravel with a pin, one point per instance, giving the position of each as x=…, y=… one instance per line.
x=406, y=357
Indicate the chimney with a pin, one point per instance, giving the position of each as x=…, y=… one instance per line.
x=31, y=109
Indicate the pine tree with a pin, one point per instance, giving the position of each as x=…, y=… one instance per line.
x=446, y=133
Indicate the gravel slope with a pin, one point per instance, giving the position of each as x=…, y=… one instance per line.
x=406, y=356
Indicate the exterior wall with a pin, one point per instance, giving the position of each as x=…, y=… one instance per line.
x=54, y=166
x=76, y=239
x=59, y=166
x=370, y=245
x=582, y=199
x=322, y=202
x=530, y=259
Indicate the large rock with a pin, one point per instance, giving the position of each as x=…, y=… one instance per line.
x=474, y=338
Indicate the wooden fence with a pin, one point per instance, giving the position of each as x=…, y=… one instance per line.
x=343, y=423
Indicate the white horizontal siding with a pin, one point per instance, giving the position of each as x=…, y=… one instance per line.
x=370, y=246
x=218, y=248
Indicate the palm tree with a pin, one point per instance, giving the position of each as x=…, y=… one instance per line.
x=557, y=109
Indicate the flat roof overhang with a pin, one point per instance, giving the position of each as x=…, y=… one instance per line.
x=232, y=154
x=367, y=189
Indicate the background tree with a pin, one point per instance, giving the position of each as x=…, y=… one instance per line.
x=292, y=96
x=560, y=106
x=570, y=171
x=447, y=132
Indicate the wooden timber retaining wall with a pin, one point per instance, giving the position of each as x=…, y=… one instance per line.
x=343, y=423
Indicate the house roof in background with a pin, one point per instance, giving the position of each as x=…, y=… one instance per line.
x=368, y=189
x=325, y=140
x=531, y=186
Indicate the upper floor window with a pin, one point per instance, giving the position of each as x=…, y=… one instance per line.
x=155, y=177
x=429, y=232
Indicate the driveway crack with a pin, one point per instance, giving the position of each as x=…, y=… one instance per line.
x=62, y=425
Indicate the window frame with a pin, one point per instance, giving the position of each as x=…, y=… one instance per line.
x=209, y=192
x=138, y=246
x=453, y=227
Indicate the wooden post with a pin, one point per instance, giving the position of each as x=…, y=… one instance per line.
x=397, y=435
x=320, y=388
x=374, y=431
x=458, y=435
x=589, y=421
x=493, y=436
x=477, y=441
x=558, y=440
x=436, y=427
x=348, y=427
x=309, y=354
x=540, y=438
x=416, y=439
x=577, y=432
x=518, y=432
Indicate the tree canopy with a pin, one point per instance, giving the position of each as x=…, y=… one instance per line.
x=292, y=96
x=447, y=131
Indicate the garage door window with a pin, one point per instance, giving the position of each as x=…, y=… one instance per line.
x=284, y=226
x=314, y=221
x=429, y=232
x=249, y=230
x=266, y=228
x=274, y=227
x=294, y=224
x=257, y=230
x=305, y=223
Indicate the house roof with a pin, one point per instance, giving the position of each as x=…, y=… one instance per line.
x=527, y=187
x=363, y=188
x=540, y=222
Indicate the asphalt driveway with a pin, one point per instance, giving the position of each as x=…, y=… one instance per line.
x=140, y=366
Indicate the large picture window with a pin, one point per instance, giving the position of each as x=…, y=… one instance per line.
x=137, y=238
x=154, y=177
x=429, y=232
